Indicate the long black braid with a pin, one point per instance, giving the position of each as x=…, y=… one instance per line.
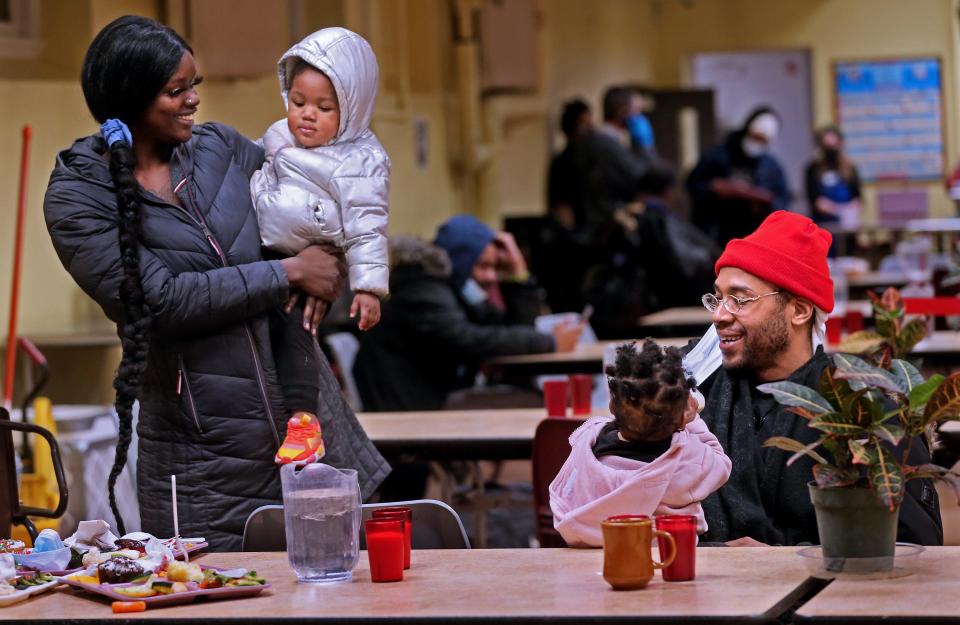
x=136, y=316
x=126, y=66
x=648, y=390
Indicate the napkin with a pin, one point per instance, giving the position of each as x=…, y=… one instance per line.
x=92, y=534
x=8, y=570
x=56, y=560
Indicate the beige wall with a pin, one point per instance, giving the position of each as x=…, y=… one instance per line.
x=832, y=30
x=585, y=47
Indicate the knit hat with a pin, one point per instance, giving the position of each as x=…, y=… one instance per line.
x=788, y=250
x=464, y=237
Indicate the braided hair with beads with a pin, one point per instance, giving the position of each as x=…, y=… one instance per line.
x=649, y=390
x=125, y=68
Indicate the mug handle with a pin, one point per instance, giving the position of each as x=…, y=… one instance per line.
x=673, y=549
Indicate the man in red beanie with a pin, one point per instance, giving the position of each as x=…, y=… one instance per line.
x=771, y=297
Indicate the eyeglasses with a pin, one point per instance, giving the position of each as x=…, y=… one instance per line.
x=731, y=303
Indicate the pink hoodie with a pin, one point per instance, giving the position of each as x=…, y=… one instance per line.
x=588, y=490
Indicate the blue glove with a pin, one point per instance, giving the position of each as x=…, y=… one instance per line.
x=114, y=130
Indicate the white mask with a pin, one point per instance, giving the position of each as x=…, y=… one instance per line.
x=753, y=148
x=473, y=292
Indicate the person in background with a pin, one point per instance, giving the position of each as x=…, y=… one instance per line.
x=463, y=299
x=736, y=184
x=563, y=256
x=608, y=170
x=564, y=197
x=832, y=181
x=638, y=123
x=655, y=456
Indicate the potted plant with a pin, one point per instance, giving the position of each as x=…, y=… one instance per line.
x=868, y=416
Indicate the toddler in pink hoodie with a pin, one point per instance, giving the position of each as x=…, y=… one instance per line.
x=655, y=456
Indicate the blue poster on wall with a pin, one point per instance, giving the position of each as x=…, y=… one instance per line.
x=891, y=115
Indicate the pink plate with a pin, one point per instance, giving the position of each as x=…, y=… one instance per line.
x=108, y=590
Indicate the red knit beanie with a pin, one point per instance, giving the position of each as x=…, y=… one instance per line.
x=788, y=250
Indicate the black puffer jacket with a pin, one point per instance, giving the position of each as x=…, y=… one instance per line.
x=211, y=410
x=429, y=340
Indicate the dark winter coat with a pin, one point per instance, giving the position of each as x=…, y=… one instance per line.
x=769, y=501
x=211, y=410
x=429, y=341
x=730, y=218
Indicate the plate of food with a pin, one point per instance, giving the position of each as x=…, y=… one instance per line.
x=15, y=587
x=122, y=580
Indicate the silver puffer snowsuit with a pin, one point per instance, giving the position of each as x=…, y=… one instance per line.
x=336, y=193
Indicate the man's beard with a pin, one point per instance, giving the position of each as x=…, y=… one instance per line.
x=763, y=345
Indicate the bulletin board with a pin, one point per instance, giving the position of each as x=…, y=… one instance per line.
x=891, y=114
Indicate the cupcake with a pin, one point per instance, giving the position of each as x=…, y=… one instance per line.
x=118, y=569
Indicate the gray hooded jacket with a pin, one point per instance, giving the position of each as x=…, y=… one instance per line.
x=336, y=193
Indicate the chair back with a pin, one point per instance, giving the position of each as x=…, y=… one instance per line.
x=435, y=526
x=551, y=447
x=12, y=511
x=345, y=347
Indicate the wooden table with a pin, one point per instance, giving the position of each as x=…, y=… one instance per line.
x=942, y=347
x=502, y=434
x=928, y=595
x=583, y=359
x=701, y=317
x=503, y=586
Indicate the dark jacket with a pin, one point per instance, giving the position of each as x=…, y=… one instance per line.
x=608, y=176
x=210, y=407
x=429, y=340
x=769, y=501
x=838, y=182
x=729, y=218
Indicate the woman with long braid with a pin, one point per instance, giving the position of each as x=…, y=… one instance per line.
x=153, y=219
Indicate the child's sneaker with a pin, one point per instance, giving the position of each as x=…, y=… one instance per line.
x=304, y=441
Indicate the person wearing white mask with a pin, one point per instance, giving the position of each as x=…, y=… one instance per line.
x=736, y=184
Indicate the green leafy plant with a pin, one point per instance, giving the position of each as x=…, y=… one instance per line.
x=894, y=336
x=862, y=414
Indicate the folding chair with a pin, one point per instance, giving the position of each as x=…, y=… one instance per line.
x=435, y=526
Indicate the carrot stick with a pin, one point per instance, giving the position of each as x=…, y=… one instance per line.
x=122, y=607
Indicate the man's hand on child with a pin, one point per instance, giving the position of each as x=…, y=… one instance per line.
x=368, y=305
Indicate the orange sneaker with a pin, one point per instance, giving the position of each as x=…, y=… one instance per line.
x=304, y=441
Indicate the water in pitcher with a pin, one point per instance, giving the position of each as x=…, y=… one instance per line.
x=322, y=527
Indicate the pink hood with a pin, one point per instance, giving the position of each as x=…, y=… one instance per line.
x=588, y=490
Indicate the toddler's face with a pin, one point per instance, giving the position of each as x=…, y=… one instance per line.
x=313, y=111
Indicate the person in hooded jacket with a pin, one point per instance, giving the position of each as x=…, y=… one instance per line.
x=453, y=304
x=153, y=219
x=655, y=456
x=325, y=180
x=735, y=185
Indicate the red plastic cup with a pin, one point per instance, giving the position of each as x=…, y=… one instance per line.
x=683, y=528
x=385, y=549
x=854, y=321
x=555, y=394
x=406, y=515
x=581, y=387
x=834, y=327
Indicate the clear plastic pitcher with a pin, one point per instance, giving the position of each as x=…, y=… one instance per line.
x=321, y=506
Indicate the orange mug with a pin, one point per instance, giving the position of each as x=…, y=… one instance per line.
x=628, y=561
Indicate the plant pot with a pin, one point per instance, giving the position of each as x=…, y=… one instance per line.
x=854, y=523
